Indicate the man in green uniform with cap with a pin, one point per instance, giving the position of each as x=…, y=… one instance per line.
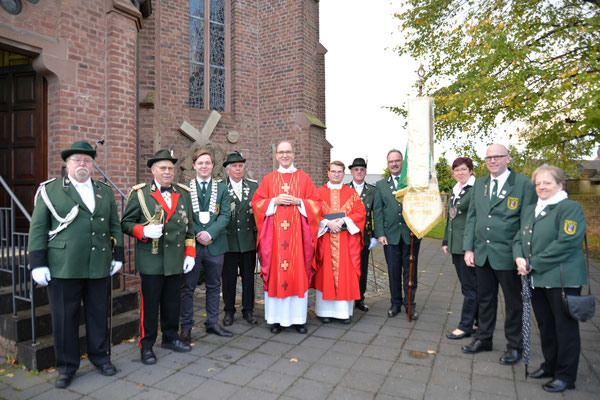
x=158, y=215
x=366, y=191
x=241, y=237
x=73, y=237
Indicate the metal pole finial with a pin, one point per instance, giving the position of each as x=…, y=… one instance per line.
x=421, y=81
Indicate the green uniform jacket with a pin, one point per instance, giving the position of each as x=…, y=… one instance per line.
x=387, y=214
x=217, y=225
x=83, y=250
x=490, y=228
x=368, y=198
x=241, y=231
x=455, y=227
x=178, y=238
x=549, y=240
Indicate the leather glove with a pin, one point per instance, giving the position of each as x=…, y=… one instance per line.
x=373, y=243
x=153, y=231
x=115, y=266
x=41, y=275
x=188, y=264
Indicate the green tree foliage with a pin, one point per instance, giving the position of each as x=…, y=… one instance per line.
x=531, y=65
x=444, y=175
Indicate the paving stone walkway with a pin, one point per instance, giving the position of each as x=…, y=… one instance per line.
x=375, y=357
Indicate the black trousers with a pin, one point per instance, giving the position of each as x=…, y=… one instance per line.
x=65, y=297
x=213, y=267
x=468, y=287
x=245, y=263
x=364, y=270
x=487, y=292
x=396, y=257
x=159, y=291
x=559, y=333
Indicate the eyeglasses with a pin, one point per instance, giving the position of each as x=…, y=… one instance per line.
x=285, y=153
x=495, y=158
x=394, y=162
x=336, y=172
x=81, y=160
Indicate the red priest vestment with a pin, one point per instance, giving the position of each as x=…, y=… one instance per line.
x=338, y=254
x=286, y=240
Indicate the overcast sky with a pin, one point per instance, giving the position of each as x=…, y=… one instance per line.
x=364, y=75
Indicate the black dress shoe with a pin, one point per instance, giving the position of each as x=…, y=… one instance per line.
x=217, y=330
x=185, y=335
x=250, y=319
x=510, y=357
x=394, y=310
x=476, y=346
x=107, y=369
x=413, y=314
x=148, y=356
x=556, y=386
x=325, y=320
x=301, y=328
x=361, y=305
x=539, y=374
x=228, y=319
x=276, y=328
x=63, y=381
x=345, y=321
x=451, y=335
x=177, y=345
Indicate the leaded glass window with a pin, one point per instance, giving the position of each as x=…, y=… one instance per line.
x=208, y=61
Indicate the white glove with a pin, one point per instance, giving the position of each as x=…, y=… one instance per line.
x=188, y=264
x=153, y=231
x=373, y=244
x=115, y=266
x=41, y=275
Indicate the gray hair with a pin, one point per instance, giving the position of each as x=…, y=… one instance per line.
x=557, y=174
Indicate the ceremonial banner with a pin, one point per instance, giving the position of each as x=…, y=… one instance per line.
x=421, y=204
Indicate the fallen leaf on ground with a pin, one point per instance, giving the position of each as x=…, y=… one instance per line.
x=139, y=385
x=10, y=375
x=211, y=369
x=430, y=351
x=293, y=360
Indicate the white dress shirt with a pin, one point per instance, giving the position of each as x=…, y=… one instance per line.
x=86, y=192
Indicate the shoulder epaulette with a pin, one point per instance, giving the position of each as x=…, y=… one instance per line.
x=138, y=186
x=104, y=183
x=252, y=180
x=184, y=187
x=48, y=181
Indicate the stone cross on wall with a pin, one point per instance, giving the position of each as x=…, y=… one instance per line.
x=201, y=139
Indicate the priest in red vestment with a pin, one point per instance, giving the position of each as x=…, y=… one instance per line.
x=286, y=210
x=338, y=249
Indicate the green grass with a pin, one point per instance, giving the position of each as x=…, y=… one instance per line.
x=438, y=231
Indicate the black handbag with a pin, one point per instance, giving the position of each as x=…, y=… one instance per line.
x=580, y=308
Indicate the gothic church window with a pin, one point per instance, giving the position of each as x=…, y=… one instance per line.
x=209, y=36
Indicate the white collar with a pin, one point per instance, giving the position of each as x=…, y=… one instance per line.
x=200, y=180
x=557, y=198
x=236, y=185
x=289, y=170
x=87, y=183
x=357, y=185
x=457, y=188
x=334, y=186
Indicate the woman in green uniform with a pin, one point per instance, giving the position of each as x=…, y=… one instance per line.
x=551, y=235
x=458, y=205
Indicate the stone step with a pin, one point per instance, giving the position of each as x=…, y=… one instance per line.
x=41, y=355
x=18, y=328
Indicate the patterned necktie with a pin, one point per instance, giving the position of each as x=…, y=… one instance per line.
x=203, y=188
x=397, y=182
x=494, y=190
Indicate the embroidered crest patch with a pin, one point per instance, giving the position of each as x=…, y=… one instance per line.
x=570, y=227
x=512, y=203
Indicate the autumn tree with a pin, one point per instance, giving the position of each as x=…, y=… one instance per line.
x=530, y=65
